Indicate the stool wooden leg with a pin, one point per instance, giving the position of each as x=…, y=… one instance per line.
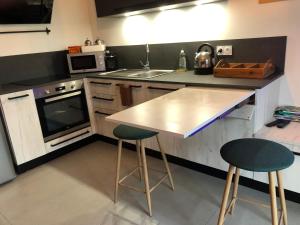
x=118, y=170
x=225, y=195
x=166, y=163
x=138, y=150
x=282, y=197
x=235, y=189
x=146, y=178
x=273, y=199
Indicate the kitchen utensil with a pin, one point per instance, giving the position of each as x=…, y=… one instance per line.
x=204, y=60
x=88, y=42
x=244, y=70
x=111, y=61
x=99, y=42
x=74, y=49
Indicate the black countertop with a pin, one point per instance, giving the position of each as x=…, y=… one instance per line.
x=190, y=79
x=187, y=78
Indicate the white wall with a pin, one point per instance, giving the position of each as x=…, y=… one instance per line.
x=230, y=20
x=71, y=25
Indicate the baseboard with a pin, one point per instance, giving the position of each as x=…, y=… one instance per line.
x=253, y=184
x=55, y=154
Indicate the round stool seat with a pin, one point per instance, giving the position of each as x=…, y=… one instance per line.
x=132, y=133
x=257, y=155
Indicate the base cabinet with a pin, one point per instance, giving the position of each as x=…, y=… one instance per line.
x=23, y=126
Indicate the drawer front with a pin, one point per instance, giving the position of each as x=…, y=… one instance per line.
x=105, y=101
x=102, y=86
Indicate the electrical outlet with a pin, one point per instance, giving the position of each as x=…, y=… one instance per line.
x=224, y=50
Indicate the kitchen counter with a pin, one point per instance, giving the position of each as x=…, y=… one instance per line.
x=187, y=78
x=190, y=79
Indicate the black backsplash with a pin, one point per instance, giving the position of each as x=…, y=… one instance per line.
x=165, y=56
x=31, y=66
x=162, y=56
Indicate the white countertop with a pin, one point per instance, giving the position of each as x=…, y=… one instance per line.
x=183, y=112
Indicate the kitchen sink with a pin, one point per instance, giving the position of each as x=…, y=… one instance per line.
x=136, y=73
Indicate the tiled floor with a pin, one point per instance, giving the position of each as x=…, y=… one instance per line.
x=77, y=189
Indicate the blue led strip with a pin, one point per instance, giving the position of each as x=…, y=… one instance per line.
x=218, y=118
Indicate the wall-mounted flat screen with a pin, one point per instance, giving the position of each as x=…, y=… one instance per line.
x=26, y=11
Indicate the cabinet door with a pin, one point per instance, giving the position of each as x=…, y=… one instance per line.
x=23, y=125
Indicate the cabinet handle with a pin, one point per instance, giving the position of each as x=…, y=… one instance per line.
x=164, y=89
x=101, y=83
x=105, y=99
x=21, y=96
x=135, y=86
x=102, y=113
x=132, y=86
x=59, y=143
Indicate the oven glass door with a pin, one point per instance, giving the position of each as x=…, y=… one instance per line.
x=62, y=114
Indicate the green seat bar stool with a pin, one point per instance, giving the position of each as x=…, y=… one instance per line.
x=256, y=155
x=123, y=132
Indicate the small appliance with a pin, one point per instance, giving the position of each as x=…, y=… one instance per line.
x=86, y=62
x=204, y=60
x=111, y=61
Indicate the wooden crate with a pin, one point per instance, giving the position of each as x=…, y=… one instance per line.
x=244, y=70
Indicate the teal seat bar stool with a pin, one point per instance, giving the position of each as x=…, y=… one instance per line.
x=256, y=155
x=123, y=132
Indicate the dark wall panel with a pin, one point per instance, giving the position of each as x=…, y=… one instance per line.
x=165, y=56
x=30, y=66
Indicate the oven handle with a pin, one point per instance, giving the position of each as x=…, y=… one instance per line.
x=59, y=143
x=62, y=96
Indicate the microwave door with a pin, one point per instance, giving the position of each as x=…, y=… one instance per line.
x=82, y=63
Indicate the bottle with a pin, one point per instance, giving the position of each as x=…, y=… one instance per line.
x=182, y=61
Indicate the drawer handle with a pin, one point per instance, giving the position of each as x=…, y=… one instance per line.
x=164, y=89
x=105, y=99
x=132, y=86
x=21, y=96
x=100, y=83
x=135, y=86
x=102, y=113
x=59, y=143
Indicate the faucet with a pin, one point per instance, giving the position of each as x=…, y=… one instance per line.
x=146, y=66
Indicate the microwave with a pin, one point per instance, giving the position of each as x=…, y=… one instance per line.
x=86, y=62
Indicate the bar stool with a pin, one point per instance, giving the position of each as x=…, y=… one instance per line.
x=256, y=155
x=123, y=132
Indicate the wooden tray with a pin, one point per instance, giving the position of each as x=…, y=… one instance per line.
x=244, y=70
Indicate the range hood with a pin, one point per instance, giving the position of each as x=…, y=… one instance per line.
x=166, y=6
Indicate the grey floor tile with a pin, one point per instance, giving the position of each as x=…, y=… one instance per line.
x=78, y=188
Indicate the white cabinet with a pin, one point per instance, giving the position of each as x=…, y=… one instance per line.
x=23, y=126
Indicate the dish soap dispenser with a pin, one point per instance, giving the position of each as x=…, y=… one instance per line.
x=182, y=61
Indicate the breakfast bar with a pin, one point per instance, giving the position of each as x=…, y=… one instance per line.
x=184, y=112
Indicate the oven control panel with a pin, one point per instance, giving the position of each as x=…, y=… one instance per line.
x=56, y=89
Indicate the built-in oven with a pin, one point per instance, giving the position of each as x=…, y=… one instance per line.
x=62, y=108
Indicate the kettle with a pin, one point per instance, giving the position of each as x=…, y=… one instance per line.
x=204, y=60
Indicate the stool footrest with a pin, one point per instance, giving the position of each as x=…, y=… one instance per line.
x=139, y=189
x=158, y=183
x=234, y=200
x=129, y=174
x=132, y=187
